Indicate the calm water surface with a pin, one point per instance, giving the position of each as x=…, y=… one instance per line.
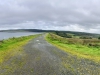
x=6, y=35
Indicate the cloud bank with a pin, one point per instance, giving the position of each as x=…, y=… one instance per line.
x=71, y=15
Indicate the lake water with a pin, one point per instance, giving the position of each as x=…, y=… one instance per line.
x=6, y=35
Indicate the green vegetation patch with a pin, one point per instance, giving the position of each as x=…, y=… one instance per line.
x=13, y=46
x=76, y=46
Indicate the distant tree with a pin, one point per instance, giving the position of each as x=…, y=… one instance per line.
x=99, y=38
x=63, y=34
x=69, y=36
x=85, y=37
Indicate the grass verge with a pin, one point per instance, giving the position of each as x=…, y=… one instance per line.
x=12, y=46
x=80, y=51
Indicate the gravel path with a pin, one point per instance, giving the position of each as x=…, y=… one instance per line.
x=41, y=58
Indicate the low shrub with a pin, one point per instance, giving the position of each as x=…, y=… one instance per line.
x=86, y=42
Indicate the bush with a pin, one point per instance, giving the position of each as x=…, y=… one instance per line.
x=94, y=45
x=99, y=38
x=69, y=36
x=74, y=41
x=85, y=37
x=63, y=34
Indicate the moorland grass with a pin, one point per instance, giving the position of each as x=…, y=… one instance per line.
x=11, y=46
x=80, y=50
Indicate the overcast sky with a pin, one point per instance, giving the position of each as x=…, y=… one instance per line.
x=69, y=15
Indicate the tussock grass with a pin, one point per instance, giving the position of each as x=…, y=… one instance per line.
x=75, y=47
x=12, y=46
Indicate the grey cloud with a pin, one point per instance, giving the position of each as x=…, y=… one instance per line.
x=84, y=14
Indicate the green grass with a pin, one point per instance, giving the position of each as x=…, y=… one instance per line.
x=82, y=51
x=12, y=46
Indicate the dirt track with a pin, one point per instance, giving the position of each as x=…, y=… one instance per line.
x=41, y=58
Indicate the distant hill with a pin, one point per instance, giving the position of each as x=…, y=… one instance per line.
x=26, y=30
x=81, y=34
x=39, y=30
